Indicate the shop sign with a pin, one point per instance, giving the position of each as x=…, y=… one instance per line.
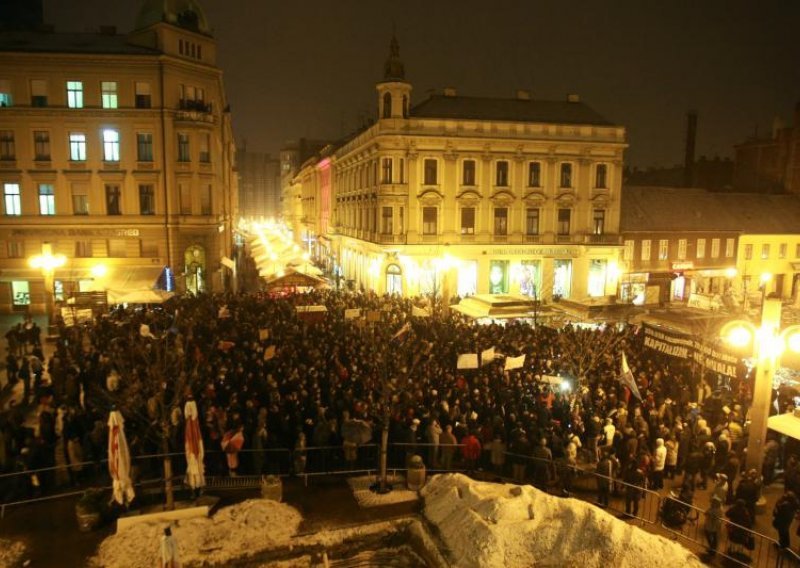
x=684, y=265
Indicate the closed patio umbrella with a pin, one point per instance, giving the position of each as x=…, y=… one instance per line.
x=195, y=470
x=119, y=459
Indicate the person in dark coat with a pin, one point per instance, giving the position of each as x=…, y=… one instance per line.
x=634, y=479
x=749, y=491
x=782, y=516
x=606, y=467
x=542, y=464
x=731, y=469
x=740, y=515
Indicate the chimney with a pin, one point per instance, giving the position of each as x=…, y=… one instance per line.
x=573, y=98
x=688, y=159
x=449, y=92
x=523, y=95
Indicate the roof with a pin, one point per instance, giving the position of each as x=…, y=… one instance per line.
x=48, y=42
x=512, y=110
x=186, y=14
x=655, y=209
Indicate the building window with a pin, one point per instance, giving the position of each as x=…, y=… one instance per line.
x=147, y=199
x=75, y=94
x=599, y=221
x=600, y=176
x=663, y=249
x=16, y=249
x=6, y=100
x=532, y=221
x=41, y=145
x=47, y=199
x=183, y=147
x=564, y=217
x=108, y=90
x=467, y=220
x=185, y=193
x=77, y=147
x=682, y=246
x=80, y=200
x=38, y=93
x=501, y=220
x=7, y=146
x=627, y=252
x=205, y=200
x=386, y=220
x=646, y=244
x=402, y=171
x=205, y=148
x=20, y=292
x=715, y=248
x=83, y=249
x=782, y=250
x=748, y=252
x=386, y=170
x=501, y=174
x=566, y=175
x=12, y=199
x=729, y=245
x=431, y=172
x=113, y=200
x=764, y=251
x=387, y=105
x=143, y=95
x=429, y=215
x=144, y=147
x=110, y=145
x=468, y=172
x=534, y=174
x=701, y=248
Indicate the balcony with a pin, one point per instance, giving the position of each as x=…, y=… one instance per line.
x=603, y=239
x=533, y=239
x=564, y=239
x=499, y=238
x=194, y=111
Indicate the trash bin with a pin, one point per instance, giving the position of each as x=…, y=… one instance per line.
x=272, y=488
x=415, y=478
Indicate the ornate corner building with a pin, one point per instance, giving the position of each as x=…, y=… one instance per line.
x=117, y=150
x=465, y=195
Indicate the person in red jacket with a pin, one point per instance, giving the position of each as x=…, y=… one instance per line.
x=471, y=450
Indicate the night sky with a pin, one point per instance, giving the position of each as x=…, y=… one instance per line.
x=307, y=68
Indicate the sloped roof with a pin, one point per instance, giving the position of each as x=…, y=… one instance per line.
x=512, y=110
x=654, y=209
x=44, y=42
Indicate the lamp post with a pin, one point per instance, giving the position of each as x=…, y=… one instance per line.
x=47, y=262
x=769, y=343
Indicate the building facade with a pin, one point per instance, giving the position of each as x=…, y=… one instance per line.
x=259, y=184
x=116, y=150
x=465, y=195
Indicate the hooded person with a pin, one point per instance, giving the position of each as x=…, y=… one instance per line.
x=659, y=463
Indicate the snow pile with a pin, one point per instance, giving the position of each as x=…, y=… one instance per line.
x=488, y=524
x=11, y=552
x=247, y=528
x=366, y=497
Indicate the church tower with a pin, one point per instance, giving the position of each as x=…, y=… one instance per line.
x=394, y=92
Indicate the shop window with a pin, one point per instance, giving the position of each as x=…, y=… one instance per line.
x=598, y=270
x=562, y=278
x=530, y=278
x=394, y=279
x=498, y=277
x=20, y=292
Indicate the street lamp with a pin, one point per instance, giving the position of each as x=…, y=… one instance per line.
x=47, y=262
x=769, y=342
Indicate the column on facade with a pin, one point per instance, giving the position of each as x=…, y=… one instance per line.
x=448, y=185
x=413, y=214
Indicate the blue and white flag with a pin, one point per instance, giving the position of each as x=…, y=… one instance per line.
x=626, y=378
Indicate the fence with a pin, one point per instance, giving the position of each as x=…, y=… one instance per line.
x=746, y=548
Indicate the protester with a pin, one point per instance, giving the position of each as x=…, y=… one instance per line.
x=712, y=527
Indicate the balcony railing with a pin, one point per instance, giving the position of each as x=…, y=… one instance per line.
x=533, y=239
x=603, y=239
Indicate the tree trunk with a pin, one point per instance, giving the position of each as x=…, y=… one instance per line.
x=384, y=451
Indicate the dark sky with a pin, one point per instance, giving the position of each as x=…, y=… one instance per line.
x=307, y=68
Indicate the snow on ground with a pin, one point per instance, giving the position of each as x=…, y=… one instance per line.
x=486, y=525
x=368, y=498
x=11, y=552
x=233, y=532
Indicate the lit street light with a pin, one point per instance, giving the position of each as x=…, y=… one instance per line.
x=47, y=262
x=769, y=343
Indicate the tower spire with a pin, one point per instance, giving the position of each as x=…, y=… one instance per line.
x=394, y=70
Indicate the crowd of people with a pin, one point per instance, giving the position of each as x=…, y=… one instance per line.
x=272, y=383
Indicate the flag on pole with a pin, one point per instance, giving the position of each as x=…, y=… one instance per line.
x=626, y=378
x=514, y=362
x=402, y=332
x=487, y=356
x=467, y=361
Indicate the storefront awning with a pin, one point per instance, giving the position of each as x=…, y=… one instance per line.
x=786, y=424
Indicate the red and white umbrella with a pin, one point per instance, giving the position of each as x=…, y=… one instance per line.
x=195, y=471
x=119, y=459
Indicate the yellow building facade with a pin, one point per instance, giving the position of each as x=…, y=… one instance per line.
x=464, y=195
x=776, y=258
x=117, y=150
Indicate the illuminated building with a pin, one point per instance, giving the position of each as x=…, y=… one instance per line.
x=116, y=150
x=464, y=195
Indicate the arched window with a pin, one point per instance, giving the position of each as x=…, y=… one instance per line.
x=394, y=279
x=387, y=105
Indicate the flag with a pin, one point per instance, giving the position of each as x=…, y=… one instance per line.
x=402, y=332
x=626, y=378
x=263, y=334
x=353, y=313
x=487, y=356
x=269, y=353
x=467, y=361
x=514, y=362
